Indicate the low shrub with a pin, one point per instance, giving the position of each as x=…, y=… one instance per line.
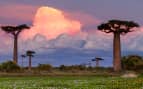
x=72, y=68
x=46, y=67
x=9, y=66
x=132, y=62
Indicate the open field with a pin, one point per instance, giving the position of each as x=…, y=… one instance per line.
x=70, y=82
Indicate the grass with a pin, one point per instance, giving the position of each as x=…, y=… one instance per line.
x=70, y=82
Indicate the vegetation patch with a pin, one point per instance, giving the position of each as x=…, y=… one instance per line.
x=89, y=82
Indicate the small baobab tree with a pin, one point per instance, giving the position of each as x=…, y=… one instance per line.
x=23, y=56
x=97, y=59
x=15, y=31
x=117, y=27
x=30, y=54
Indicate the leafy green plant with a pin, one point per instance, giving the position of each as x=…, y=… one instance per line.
x=9, y=66
x=132, y=62
x=47, y=67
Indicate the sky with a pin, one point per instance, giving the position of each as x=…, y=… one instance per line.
x=65, y=31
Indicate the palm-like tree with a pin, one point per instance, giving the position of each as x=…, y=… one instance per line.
x=97, y=59
x=117, y=27
x=15, y=31
x=30, y=54
x=23, y=56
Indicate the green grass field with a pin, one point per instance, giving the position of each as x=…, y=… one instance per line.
x=70, y=83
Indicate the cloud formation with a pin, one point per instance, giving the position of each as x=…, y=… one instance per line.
x=51, y=22
x=52, y=30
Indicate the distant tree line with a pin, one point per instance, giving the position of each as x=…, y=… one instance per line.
x=130, y=62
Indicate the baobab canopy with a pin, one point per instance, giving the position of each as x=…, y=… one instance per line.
x=119, y=26
x=97, y=58
x=14, y=29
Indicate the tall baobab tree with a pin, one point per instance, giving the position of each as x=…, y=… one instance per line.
x=30, y=54
x=23, y=56
x=117, y=27
x=15, y=31
x=97, y=59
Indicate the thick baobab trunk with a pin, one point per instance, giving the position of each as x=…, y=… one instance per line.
x=117, y=52
x=29, y=63
x=15, y=50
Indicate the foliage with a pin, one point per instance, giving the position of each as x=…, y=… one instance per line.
x=9, y=66
x=70, y=83
x=101, y=69
x=63, y=67
x=14, y=30
x=72, y=67
x=47, y=67
x=117, y=26
x=132, y=62
x=30, y=53
x=23, y=55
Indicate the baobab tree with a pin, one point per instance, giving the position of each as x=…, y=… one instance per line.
x=15, y=31
x=97, y=59
x=117, y=27
x=30, y=54
x=23, y=56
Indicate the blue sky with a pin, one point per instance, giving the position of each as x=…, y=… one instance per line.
x=71, y=49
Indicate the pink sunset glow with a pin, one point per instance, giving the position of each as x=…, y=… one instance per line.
x=20, y=12
x=51, y=22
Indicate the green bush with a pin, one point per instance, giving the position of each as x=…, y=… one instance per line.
x=9, y=66
x=63, y=67
x=132, y=62
x=47, y=67
x=72, y=67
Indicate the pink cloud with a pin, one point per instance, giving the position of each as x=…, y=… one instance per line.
x=51, y=22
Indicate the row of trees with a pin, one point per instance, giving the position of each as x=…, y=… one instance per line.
x=117, y=27
x=130, y=62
